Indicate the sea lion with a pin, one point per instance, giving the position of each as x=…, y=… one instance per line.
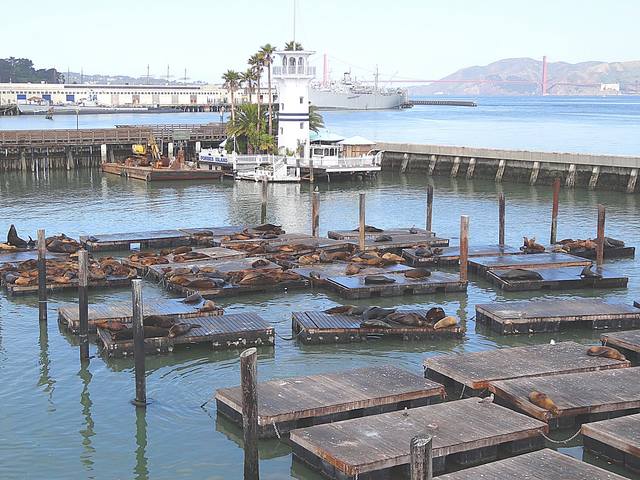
x=542, y=400
x=92, y=239
x=209, y=306
x=158, y=321
x=352, y=269
x=383, y=238
x=328, y=257
x=445, y=323
x=378, y=280
x=613, y=243
x=269, y=227
x=340, y=310
x=111, y=325
x=181, y=250
x=149, y=332
x=417, y=273
x=435, y=314
x=14, y=240
x=374, y=324
x=181, y=328
x=193, y=298
x=261, y=262
x=588, y=273
x=5, y=247
x=423, y=252
x=413, y=230
x=393, y=258
x=62, y=244
x=530, y=246
x=372, y=313
x=519, y=274
x=410, y=319
x=206, y=282
x=369, y=229
x=606, y=352
x=308, y=259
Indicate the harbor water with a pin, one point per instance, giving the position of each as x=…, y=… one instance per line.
x=61, y=421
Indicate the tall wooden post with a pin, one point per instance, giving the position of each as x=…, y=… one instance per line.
x=361, y=224
x=138, y=343
x=311, y=172
x=464, y=247
x=263, y=210
x=421, y=458
x=42, y=276
x=83, y=303
x=315, y=213
x=554, y=211
x=600, y=238
x=429, y=207
x=501, y=214
x=248, y=382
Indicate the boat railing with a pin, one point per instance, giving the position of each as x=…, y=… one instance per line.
x=363, y=161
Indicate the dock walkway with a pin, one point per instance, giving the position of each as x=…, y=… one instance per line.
x=618, y=439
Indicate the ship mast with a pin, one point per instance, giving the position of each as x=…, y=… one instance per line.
x=375, y=85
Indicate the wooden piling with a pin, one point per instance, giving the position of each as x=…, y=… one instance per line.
x=263, y=210
x=311, y=173
x=138, y=343
x=42, y=276
x=421, y=454
x=249, y=382
x=464, y=246
x=554, y=211
x=429, y=207
x=361, y=224
x=501, y=214
x=600, y=237
x=315, y=213
x=83, y=303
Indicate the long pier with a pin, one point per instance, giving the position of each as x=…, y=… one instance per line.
x=523, y=166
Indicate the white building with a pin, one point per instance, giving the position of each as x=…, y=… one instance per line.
x=610, y=87
x=293, y=74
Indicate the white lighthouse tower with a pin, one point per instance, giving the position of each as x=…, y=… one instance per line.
x=292, y=74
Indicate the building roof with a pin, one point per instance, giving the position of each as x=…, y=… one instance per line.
x=357, y=140
x=324, y=135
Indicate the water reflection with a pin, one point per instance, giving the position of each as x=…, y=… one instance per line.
x=45, y=379
x=141, y=469
x=88, y=450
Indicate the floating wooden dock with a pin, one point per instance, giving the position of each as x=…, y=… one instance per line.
x=355, y=234
x=232, y=265
x=319, y=272
x=559, y=278
x=288, y=403
x=617, y=439
x=150, y=174
x=611, y=252
x=552, y=315
x=292, y=243
x=69, y=316
x=194, y=257
x=399, y=242
x=451, y=255
x=543, y=464
x=24, y=255
x=579, y=397
x=477, y=370
x=109, y=282
x=240, y=330
x=535, y=262
x=628, y=342
x=464, y=432
x=354, y=287
x=321, y=328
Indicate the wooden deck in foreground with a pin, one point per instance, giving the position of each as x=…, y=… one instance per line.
x=241, y=330
x=628, y=342
x=618, y=439
x=544, y=464
x=551, y=315
x=451, y=255
x=465, y=433
x=580, y=397
x=288, y=403
x=69, y=317
x=478, y=370
x=320, y=328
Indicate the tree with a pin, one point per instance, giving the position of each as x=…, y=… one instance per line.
x=267, y=51
x=247, y=78
x=293, y=45
x=231, y=82
x=316, y=122
x=256, y=61
x=245, y=128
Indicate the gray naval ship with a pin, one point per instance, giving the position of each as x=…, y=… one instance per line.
x=349, y=94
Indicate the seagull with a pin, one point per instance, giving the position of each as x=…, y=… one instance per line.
x=488, y=399
x=405, y=413
x=552, y=342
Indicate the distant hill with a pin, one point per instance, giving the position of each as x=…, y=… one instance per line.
x=562, y=78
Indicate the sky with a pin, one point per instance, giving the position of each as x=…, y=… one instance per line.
x=406, y=39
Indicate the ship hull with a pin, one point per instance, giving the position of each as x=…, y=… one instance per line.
x=328, y=100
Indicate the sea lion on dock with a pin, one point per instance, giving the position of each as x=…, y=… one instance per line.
x=423, y=252
x=14, y=240
x=193, y=298
x=181, y=250
x=62, y=244
x=542, y=400
x=519, y=274
x=417, y=273
x=372, y=313
x=378, y=280
x=309, y=259
x=392, y=258
x=112, y=325
x=588, y=273
x=149, y=332
x=446, y=322
x=261, y=262
x=409, y=319
x=181, y=328
x=352, y=269
x=339, y=310
x=435, y=314
x=374, y=324
x=606, y=352
x=369, y=229
x=209, y=306
x=530, y=246
x=413, y=230
x=329, y=257
x=383, y=238
x=158, y=321
x=613, y=243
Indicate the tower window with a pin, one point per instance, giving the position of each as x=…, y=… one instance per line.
x=301, y=125
x=282, y=107
x=301, y=100
x=281, y=130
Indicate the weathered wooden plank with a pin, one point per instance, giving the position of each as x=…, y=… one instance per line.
x=451, y=255
x=621, y=434
x=381, y=442
x=477, y=370
x=197, y=255
x=285, y=402
x=574, y=394
x=547, y=315
x=353, y=234
x=232, y=265
x=322, y=271
x=109, y=282
x=627, y=340
x=535, y=261
x=544, y=464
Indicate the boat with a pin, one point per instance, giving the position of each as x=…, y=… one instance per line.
x=349, y=94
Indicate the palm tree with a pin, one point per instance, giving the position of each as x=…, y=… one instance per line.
x=267, y=51
x=257, y=63
x=316, y=122
x=247, y=77
x=293, y=45
x=245, y=129
x=231, y=82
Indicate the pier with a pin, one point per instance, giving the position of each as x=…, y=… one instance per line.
x=616, y=439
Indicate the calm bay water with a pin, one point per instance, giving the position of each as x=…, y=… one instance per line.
x=63, y=421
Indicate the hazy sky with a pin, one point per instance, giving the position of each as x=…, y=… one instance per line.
x=411, y=39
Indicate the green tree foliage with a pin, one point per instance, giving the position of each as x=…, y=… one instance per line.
x=245, y=129
x=21, y=70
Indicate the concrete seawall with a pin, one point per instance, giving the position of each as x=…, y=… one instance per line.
x=574, y=169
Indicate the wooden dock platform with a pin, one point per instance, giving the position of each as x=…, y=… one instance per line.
x=609, y=252
x=69, y=317
x=288, y=243
x=195, y=256
x=451, y=255
x=150, y=174
x=355, y=234
x=543, y=464
x=628, y=342
x=399, y=242
x=323, y=328
x=464, y=432
x=559, y=278
x=288, y=403
x=24, y=255
x=552, y=315
x=109, y=282
x=617, y=439
x=230, y=265
x=579, y=397
x=535, y=262
x=239, y=330
x=319, y=272
x=476, y=371
x=354, y=287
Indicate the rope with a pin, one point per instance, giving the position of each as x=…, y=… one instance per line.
x=561, y=441
x=462, y=393
x=273, y=422
x=292, y=337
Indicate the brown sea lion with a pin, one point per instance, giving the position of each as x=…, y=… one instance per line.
x=613, y=243
x=393, y=258
x=181, y=250
x=446, y=322
x=158, y=321
x=542, y=400
x=181, y=328
x=328, y=257
x=62, y=244
x=14, y=240
x=308, y=259
x=149, y=332
x=340, y=310
x=261, y=262
x=606, y=352
x=352, y=269
x=372, y=313
x=374, y=324
x=378, y=280
x=193, y=298
x=369, y=229
x=410, y=319
x=519, y=274
x=209, y=306
x=417, y=273
x=383, y=238
x=112, y=325
x=530, y=246
x=24, y=281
